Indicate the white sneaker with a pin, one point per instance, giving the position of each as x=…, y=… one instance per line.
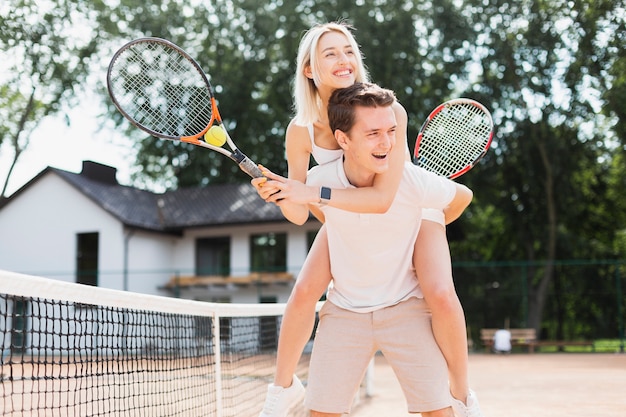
x=471, y=409
x=279, y=400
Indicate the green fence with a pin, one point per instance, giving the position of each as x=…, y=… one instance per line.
x=584, y=299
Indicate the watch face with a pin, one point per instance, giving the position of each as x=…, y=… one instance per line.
x=325, y=193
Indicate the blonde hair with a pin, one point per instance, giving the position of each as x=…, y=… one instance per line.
x=305, y=95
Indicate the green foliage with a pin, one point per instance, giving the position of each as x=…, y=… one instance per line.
x=249, y=50
x=552, y=72
x=45, y=58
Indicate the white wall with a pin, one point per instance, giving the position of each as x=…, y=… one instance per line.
x=38, y=231
x=150, y=261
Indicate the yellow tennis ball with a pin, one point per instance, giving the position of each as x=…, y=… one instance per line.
x=215, y=136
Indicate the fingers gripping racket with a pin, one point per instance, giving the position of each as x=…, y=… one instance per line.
x=454, y=137
x=160, y=89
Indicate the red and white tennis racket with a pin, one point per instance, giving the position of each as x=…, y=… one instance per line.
x=160, y=89
x=454, y=137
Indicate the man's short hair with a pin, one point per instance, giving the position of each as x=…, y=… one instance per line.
x=343, y=101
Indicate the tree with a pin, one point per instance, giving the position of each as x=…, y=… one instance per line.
x=44, y=60
x=533, y=63
x=552, y=72
x=537, y=61
x=249, y=50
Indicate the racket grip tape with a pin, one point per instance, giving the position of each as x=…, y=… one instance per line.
x=250, y=168
x=246, y=164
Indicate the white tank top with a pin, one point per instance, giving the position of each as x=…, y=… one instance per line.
x=322, y=155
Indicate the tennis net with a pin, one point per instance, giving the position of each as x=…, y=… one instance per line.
x=74, y=350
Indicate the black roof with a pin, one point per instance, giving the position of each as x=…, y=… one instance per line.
x=171, y=211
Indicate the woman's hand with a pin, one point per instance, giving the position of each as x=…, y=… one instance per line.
x=279, y=190
x=264, y=187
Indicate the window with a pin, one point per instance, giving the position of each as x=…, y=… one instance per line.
x=268, y=252
x=213, y=256
x=87, y=258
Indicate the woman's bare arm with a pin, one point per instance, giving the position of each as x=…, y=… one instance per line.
x=378, y=197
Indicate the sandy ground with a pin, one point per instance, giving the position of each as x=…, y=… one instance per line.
x=523, y=385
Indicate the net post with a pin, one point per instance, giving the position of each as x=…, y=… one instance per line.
x=217, y=345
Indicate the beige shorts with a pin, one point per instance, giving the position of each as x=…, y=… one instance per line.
x=346, y=341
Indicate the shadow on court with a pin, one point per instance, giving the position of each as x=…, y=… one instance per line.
x=523, y=385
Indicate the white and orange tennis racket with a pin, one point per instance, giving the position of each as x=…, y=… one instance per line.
x=454, y=137
x=160, y=89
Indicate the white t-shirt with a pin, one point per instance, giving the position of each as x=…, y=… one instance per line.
x=371, y=255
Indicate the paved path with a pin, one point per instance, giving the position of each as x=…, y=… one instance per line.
x=523, y=385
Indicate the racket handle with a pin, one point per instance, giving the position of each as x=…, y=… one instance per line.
x=250, y=167
x=246, y=164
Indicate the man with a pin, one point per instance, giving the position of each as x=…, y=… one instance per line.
x=374, y=302
x=502, y=341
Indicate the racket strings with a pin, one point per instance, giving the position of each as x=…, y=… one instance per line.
x=454, y=138
x=161, y=89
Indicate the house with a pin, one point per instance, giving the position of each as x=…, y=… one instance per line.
x=217, y=243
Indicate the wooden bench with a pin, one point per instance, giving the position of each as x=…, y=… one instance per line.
x=564, y=343
x=519, y=337
x=528, y=338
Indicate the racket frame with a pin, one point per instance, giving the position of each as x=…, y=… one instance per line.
x=235, y=154
x=439, y=109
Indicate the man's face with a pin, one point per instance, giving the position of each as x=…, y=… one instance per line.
x=368, y=144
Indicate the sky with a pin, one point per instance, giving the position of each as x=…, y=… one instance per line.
x=56, y=144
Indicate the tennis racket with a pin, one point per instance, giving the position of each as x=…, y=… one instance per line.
x=161, y=90
x=454, y=137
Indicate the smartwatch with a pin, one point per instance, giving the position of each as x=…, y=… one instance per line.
x=324, y=196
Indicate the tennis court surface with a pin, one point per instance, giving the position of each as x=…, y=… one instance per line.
x=523, y=385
